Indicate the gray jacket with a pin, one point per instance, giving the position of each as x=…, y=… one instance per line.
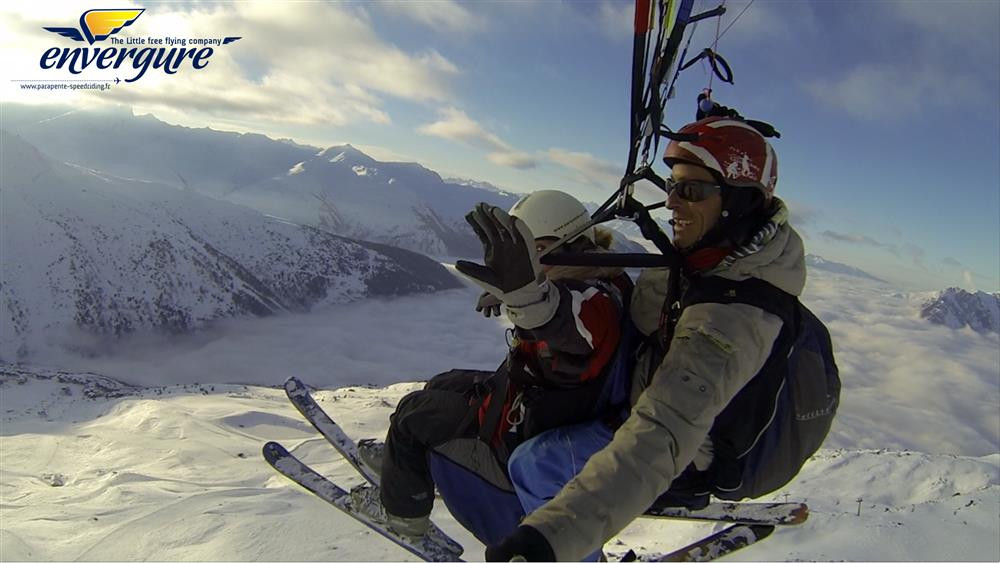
x=717, y=348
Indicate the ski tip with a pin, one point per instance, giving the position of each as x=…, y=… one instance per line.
x=799, y=514
x=294, y=384
x=273, y=451
x=721, y=543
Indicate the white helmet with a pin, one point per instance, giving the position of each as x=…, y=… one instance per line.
x=551, y=213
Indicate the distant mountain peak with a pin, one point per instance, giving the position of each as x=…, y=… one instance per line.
x=820, y=263
x=957, y=308
x=22, y=161
x=479, y=184
x=346, y=153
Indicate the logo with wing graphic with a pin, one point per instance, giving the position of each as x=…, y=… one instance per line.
x=98, y=25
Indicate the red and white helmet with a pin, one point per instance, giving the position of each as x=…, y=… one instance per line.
x=735, y=151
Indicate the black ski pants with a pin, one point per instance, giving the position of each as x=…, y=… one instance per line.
x=424, y=419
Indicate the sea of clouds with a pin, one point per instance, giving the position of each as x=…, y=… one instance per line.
x=899, y=371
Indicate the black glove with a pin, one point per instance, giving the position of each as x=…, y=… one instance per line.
x=511, y=271
x=488, y=304
x=525, y=542
x=511, y=262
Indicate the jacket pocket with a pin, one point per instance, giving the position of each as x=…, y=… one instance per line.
x=689, y=393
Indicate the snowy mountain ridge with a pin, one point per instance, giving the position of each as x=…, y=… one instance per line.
x=820, y=263
x=342, y=190
x=481, y=185
x=90, y=256
x=957, y=308
x=339, y=188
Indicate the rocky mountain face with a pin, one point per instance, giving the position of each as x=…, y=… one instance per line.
x=957, y=308
x=88, y=255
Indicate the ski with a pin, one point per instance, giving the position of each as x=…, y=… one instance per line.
x=763, y=513
x=435, y=546
x=752, y=521
x=299, y=395
x=730, y=540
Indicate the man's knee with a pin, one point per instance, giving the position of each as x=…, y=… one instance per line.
x=431, y=416
x=457, y=380
x=536, y=464
x=518, y=463
x=408, y=411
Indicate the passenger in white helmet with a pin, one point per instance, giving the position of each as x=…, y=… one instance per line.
x=457, y=432
x=551, y=215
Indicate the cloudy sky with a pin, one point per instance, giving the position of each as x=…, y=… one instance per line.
x=889, y=111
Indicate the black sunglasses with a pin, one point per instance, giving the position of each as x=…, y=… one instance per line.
x=692, y=190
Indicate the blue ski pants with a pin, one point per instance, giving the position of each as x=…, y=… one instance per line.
x=541, y=466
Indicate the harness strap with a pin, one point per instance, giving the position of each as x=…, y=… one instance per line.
x=511, y=368
x=751, y=291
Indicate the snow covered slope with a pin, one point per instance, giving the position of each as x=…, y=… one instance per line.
x=87, y=254
x=94, y=471
x=957, y=308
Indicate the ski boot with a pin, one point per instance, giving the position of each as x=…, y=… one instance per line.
x=370, y=453
x=366, y=500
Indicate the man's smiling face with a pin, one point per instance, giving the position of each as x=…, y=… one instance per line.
x=692, y=219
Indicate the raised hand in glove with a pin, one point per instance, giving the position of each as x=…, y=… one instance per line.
x=511, y=271
x=525, y=544
x=488, y=305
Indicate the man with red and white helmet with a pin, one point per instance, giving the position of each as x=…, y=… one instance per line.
x=698, y=360
x=722, y=184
